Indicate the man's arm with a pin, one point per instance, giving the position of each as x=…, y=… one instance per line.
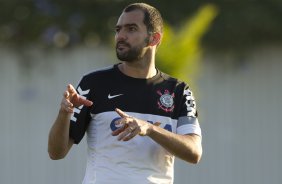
x=59, y=142
x=186, y=147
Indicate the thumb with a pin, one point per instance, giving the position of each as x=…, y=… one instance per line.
x=121, y=113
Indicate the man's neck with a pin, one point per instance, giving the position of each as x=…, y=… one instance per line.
x=143, y=69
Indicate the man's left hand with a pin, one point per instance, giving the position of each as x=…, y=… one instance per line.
x=130, y=126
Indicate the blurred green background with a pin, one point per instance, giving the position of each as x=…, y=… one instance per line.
x=238, y=25
x=228, y=51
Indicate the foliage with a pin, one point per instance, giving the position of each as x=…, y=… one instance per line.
x=57, y=23
x=180, y=51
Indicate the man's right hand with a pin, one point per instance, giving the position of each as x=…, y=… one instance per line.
x=72, y=99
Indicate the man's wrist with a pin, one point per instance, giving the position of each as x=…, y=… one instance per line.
x=64, y=113
x=151, y=129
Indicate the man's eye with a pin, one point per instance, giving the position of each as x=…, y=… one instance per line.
x=132, y=29
x=117, y=30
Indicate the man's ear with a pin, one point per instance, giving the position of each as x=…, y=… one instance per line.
x=155, y=39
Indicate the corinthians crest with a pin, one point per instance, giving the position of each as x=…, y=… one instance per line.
x=166, y=101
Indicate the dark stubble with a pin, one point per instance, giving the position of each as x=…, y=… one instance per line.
x=133, y=53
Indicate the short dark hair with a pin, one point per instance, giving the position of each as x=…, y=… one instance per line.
x=152, y=17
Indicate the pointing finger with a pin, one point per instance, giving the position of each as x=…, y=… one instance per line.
x=85, y=101
x=80, y=100
x=121, y=113
x=71, y=89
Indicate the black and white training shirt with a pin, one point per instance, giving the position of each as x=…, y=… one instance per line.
x=141, y=160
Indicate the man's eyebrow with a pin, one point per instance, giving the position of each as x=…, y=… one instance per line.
x=127, y=25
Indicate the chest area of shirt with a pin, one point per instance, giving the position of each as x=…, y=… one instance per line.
x=147, y=99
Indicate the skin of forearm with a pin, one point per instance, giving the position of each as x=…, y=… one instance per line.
x=185, y=147
x=59, y=141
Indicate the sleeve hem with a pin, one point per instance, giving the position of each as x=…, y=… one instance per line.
x=188, y=129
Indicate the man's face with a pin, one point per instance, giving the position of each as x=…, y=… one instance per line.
x=131, y=36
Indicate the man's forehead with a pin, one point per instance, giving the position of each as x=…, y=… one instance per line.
x=132, y=17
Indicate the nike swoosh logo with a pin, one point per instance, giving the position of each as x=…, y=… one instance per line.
x=113, y=96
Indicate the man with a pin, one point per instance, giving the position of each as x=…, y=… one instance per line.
x=136, y=117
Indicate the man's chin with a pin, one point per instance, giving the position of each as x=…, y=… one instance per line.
x=127, y=56
x=124, y=58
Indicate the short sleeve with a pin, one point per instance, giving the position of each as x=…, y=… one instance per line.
x=187, y=121
x=81, y=116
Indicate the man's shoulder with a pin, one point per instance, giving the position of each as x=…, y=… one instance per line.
x=100, y=72
x=98, y=77
x=172, y=79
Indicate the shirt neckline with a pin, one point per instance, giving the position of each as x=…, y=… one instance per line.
x=137, y=79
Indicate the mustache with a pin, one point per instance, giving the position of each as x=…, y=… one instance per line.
x=122, y=43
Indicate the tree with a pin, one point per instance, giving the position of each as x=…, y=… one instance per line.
x=180, y=52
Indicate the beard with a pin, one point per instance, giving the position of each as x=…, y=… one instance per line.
x=132, y=54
